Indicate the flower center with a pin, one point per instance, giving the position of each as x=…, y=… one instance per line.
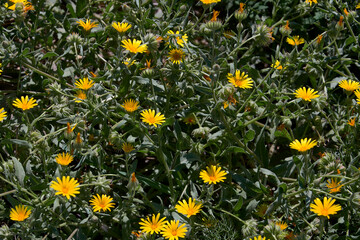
x=174, y=232
x=65, y=190
x=324, y=212
x=154, y=226
x=212, y=178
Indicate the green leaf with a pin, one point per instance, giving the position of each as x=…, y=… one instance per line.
x=249, y=136
x=19, y=170
x=238, y=205
x=49, y=55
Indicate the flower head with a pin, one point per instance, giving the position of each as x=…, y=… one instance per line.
x=358, y=6
x=121, y=27
x=176, y=55
x=2, y=114
x=1, y=69
x=190, y=119
x=173, y=231
x=351, y=122
x=130, y=105
x=209, y=1
x=349, y=85
x=325, y=209
x=64, y=159
x=154, y=225
x=25, y=103
x=179, y=39
x=80, y=96
x=135, y=46
x=259, y=238
x=282, y=225
x=149, y=117
x=303, y=145
x=24, y=4
x=66, y=187
x=277, y=65
x=84, y=83
x=212, y=175
x=127, y=147
x=188, y=209
x=102, y=203
x=333, y=185
x=88, y=25
x=240, y=80
x=311, y=1
x=295, y=40
x=19, y=213
x=306, y=94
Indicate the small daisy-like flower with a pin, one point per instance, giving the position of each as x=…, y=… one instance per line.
x=306, y=94
x=351, y=122
x=179, y=39
x=127, y=147
x=282, y=225
x=80, y=96
x=277, y=65
x=121, y=27
x=130, y=105
x=188, y=209
x=66, y=187
x=333, y=185
x=303, y=145
x=84, y=83
x=135, y=46
x=64, y=159
x=295, y=40
x=155, y=225
x=2, y=114
x=25, y=103
x=349, y=85
x=174, y=231
x=176, y=55
x=258, y=238
x=325, y=209
x=209, y=1
x=103, y=203
x=240, y=80
x=149, y=117
x=88, y=25
x=311, y=1
x=19, y=213
x=212, y=175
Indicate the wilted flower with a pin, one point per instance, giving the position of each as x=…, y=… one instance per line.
x=333, y=185
x=127, y=147
x=351, y=122
x=277, y=65
x=179, y=38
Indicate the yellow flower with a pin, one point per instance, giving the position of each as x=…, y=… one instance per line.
x=258, y=238
x=349, y=85
x=333, y=185
x=325, y=209
x=282, y=225
x=306, y=94
x=210, y=1
x=188, y=209
x=64, y=159
x=358, y=6
x=67, y=187
x=176, y=55
x=80, y=95
x=130, y=105
x=230, y=101
x=311, y=1
x=135, y=46
x=19, y=213
x=1, y=69
x=351, y=122
x=127, y=147
x=26, y=6
x=173, y=231
x=128, y=62
x=102, y=203
x=215, y=15
x=2, y=114
x=212, y=175
x=121, y=27
x=88, y=25
x=295, y=40
x=149, y=117
x=357, y=93
x=84, y=83
x=154, y=225
x=25, y=103
x=303, y=145
x=179, y=39
x=240, y=80
x=277, y=65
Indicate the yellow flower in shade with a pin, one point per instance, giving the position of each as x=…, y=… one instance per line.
x=319, y=38
x=306, y=94
x=189, y=120
x=84, y=83
x=19, y=213
x=258, y=238
x=121, y=27
x=349, y=85
x=230, y=101
x=277, y=65
x=209, y=1
x=64, y=159
x=357, y=93
x=358, y=6
x=88, y=25
x=303, y=145
x=26, y=6
x=176, y=55
x=179, y=39
x=311, y=1
x=333, y=185
x=295, y=40
x=215, y=15
x=135, y=46
x=25, y=103
x=212, y=175
x=149, y=117
x=155, y=225
x=174, y=231
x=1, y=69
x=127, y=147
x=2, y=114
x=240, y=80
x=325, y=209
x=188, y=209
x=351, y=122
x=282, y=225
x=128, y=62
x=80, y=96
x=66, y=187
x=130, y=105
x=102, y=203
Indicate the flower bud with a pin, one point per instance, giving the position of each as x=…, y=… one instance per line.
x=216, y=25
x=241, y=14
x=201, y=132
x=78, y=143
x=133, y=182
